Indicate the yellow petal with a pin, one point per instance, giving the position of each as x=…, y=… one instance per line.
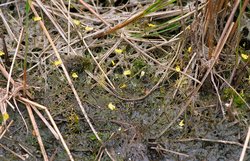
x=113, y=63
x=1, y=53
x=118, y=51
x=74, y=75
x=5, y=116
x=244, y=56
x=189, y=49
x=127, y=72
x=37, y=18
x=181, y=123
x=111, y=106
x=151, y=25
x=177, y=68
x=123, y=86
x=57, y=62
x=87, y=28
x=76, y=22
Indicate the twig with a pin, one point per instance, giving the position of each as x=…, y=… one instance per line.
x=212, y=140
x=92, y=11
x=233, y=90
x=245, y=145
x=51, y=120
x=2, y=134
x=6, y=148
x=218, y=95
x=20, y=113
x=11, y=34
x=121, y=25
x=45, y=122
x=182, y=76
x=159, y=147
x=98, y=65
x=38, y=136
x=13, y=61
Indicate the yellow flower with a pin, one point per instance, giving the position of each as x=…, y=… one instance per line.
x=123, y=86
x=189, y=49
x=74, y=75
x=181, y=124
x=76, y=22
x=118, y=51
x=87, y=28
x=5, y=116
x=57, y=62
x=151, y=25
x=113, y=63
x=37, y=18
x=127, y=72
x=1, y=53
x=244, y=56
x=177, y=68
x=111, y=106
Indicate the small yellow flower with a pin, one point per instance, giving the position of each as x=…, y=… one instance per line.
x=151, y=25
x=188, y=27
x=111, y=106
x=113, y=63
x=1, y=53
x=5, y=116
x=181, y=124
x=87, y=28
x=177, y=68
x=123, y=86
x=127, y=72
x=118, y=51
x=76, y=22
x=57, y=62
x=74, y=75
x=189, y=49
x=37, y=18
x=244, y=56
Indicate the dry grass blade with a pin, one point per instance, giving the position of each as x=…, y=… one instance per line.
x=64, y=70
x=98, y=65
x=6, y=148
x=119, y=26
x=165, y=69
x=31, y=103
x=13, y=61
x=11, y=34
x=212, y=140
x=67, y=76
x=37, y=134
x=217, y=51
x=243, y=153
x=45, y=122
x=160, y=148
x=92, y=11
x=5, y=129
x=58, y=27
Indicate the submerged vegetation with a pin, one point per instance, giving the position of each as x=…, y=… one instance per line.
x=125, y=80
